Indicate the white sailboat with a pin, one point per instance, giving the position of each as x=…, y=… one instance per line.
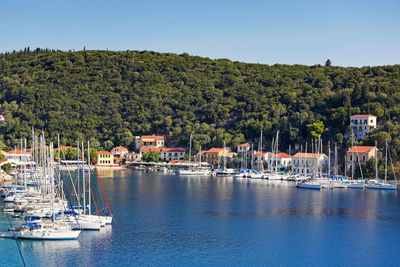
x=377, y=184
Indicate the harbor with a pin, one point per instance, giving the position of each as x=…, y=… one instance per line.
x=166, y=219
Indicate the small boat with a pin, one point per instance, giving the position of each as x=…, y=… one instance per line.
x=381, y=185
x=309, y=185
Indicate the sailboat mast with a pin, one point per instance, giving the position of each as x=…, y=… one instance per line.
x=83, y=180
x=89, y=170
x=376, y=161
x=190, y=150
x=261, y=149
x=352, y=155
x=329, y=157
x=386, y=155
x=336, y=170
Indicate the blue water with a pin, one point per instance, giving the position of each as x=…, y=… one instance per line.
x=171, y=220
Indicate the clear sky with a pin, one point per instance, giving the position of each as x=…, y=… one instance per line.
x=349, y=32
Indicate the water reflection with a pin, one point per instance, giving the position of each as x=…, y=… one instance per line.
x=172, y=220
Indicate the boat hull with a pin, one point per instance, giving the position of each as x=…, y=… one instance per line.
x=382, y=186
x=43, y=235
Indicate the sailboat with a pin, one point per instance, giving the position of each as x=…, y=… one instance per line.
x=51, y=229
x=312, y=183
x=193, y=172
x=377, y=184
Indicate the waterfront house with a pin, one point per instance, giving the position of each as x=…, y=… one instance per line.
x=260, y=156
x=105, y=159
x=281, y=160
x=243, y=148
x=132, y=157
x=308, y=163
x=149, y=141
x=358, y=154
x=119, y=153
x=362, y=125
x=216, y=156
x=169, y=154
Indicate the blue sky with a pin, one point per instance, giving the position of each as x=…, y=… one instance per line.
x=350, y=33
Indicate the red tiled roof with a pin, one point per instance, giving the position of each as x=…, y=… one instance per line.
x=281, y=155
x=157, y=137
x=245, y=144
x=363, y=115
x=214, y=150
x=360, y=149
x=104, y=153
x=258, y=153
x=172, y=149
x=145, y=149
x=15, y=151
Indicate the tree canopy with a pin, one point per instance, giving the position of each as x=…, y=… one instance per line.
x=109, y=97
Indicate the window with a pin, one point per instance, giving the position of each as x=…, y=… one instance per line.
x=360, y=128
x=351, y=157
x=365, y=121
x=355, y=122
x=364, y=158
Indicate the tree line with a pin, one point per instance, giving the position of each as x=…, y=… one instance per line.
x=109, y=97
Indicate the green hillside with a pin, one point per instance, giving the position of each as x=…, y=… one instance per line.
x=113, y=96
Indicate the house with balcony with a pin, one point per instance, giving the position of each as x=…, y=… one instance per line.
x=170, y=154
x=357, y=154
x=149, y=141
x=216, y=156
x=281, y=161
x=119, y=153
x=362, y=125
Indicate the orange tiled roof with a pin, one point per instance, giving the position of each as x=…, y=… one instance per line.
x=282, y=155
x=363, y=115
x=104, y=153
x=157, y=137
x=245, y=144
x=215, y=150
x=360, y=149
x=15, y=151
x=305, y=155
x=145, y=149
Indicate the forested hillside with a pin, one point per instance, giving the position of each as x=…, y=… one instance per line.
x=113, y=96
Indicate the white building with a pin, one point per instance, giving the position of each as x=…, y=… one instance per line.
x=149, y=141
x=281, y=160
x=308, y=163
x=243, y=148
x=260, y=156
x=362, y=125
x=170, y=154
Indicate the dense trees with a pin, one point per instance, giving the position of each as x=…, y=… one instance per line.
x=113, y=96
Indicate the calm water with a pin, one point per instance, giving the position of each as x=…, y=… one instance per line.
x=170, y=220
